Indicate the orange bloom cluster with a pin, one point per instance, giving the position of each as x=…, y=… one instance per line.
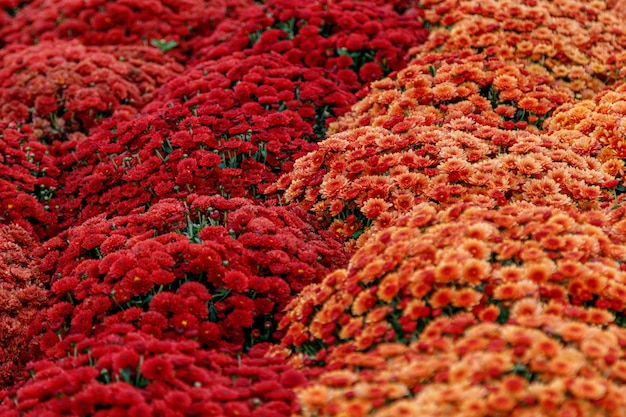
x=459, y=368
x=599, y=122
x=520, y=264
x=490, y=276
x=580, y=42
x=370, y=174
x=458, y=91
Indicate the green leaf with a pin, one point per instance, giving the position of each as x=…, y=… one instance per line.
x=164, y=45
x=356, y=234
x=125, y=374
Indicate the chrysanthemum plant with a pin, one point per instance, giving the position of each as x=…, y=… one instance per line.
x=521, y=264
x=580, y=43
x=229, y=126
x=460, y=367
x=125, y=373
x=218, y=271
x=356, y=42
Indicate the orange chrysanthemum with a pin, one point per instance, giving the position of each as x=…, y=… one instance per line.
x=572, y=39
x=488, y=369
x=489, y=168
x=405, y=277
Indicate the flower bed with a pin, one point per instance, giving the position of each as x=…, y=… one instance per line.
x=219, y=272
x=124, y=373
x=168, y=25
x=520, y=264
x=229, y=126
x=355, y=41
x=333, y=208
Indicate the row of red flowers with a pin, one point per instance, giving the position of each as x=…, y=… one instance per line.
x=218, y=271
x=124, y=373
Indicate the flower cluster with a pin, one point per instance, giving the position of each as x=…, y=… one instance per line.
x=167, y=25
x=220, y=272
x=229, y=127
x=458, y=367
x=125, y=373
x=580, y=42
x=603, y=120
x=22, y=296
x=8, y=9
x=618, y=7
x=369, y=174
x=520, y=264
x=457, y=89
x=356, y=41
x=296, y=248
x=28, y=180
x=474, y=174
x=62, y=87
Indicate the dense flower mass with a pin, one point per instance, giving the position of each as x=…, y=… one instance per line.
x=22, y=296
x=167, y=25
x=8, y=9
x=61, y=87
x=459, y=368
x=219, y=272
x=457, y=89
x=438, y=131
x=28, y=180
x=281, y=208
x=125, y=373
x=581, y=43
x=370, y=174
x=520, y=264
x=52, y=95
x=355, y=41
x=229, y=126
x=602, y=119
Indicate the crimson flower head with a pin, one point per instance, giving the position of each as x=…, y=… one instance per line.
x=159, y=369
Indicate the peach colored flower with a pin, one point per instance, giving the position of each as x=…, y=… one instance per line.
x=373, y=207
x=442, y=298
x=475, y=270
x=539, y=272
x=467, y=298
x=590, y=389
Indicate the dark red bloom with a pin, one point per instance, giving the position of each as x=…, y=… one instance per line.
x=157, y=369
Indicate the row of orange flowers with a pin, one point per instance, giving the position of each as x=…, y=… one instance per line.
x=479, y=192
